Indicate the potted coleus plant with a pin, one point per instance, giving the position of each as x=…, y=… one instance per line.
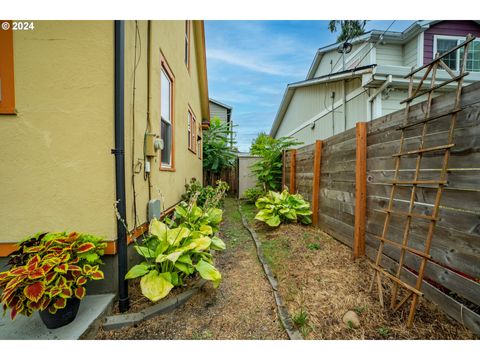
x=48, y=273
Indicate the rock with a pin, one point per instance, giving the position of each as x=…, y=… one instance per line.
x=351, y=319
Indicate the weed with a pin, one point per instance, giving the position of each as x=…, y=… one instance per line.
x=384, y=332
x=350, y=324
x=313, y=246
x=300, y=318
x=360, y=309
x=202, y=335
x=305, y=235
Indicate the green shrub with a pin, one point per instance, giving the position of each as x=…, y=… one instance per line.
x=173, y=253
x=276, y=208
x=253, y=194
x=207, y=196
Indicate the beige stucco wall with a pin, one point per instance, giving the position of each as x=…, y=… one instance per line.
x=167, y=37
x=56, y=170
x=56, y=167
x=246, y=178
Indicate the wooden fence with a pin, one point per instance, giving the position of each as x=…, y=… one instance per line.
x=230, y=176
x=346, y=179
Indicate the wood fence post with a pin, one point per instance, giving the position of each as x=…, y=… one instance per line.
x=360, y=190
x=317, y=165
x=284, y=160
x=293, y=169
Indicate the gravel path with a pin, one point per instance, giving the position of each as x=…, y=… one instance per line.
x=242, y=307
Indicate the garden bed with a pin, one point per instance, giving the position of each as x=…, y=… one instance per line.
x=317, y=277
x=242, y=307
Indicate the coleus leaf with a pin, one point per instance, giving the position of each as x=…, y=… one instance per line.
x=34, y=291
x=62, y=268
x=81, y=280
x=34, y=260
x=60, y=303
x=36, y=274
x=97, y=275
x=80, y=292
x=50, y=277
x=66, y=293
x=85, y=247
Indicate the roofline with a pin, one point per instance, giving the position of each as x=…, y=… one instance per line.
x=373, y=35
x=220, y=104
x=201, y=55
x=288, y=94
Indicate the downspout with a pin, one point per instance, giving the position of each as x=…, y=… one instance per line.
x=149, y=124
x=119, y=153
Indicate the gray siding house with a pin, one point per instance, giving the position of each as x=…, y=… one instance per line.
x=223, y=112
x=368, y=82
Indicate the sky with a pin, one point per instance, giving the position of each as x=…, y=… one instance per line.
x=250, y=63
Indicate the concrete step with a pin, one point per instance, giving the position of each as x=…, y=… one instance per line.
x=92, y=309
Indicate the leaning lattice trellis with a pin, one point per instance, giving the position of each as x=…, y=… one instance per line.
x=414, y=292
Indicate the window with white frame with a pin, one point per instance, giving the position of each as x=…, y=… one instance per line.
x=192, y=131
x=444, y=43
x=166, y=129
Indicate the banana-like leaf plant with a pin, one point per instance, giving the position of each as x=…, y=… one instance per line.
x=173, y=253
x=48, y=269
x=276, y=208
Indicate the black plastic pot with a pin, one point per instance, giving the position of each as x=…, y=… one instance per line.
x=63, y=316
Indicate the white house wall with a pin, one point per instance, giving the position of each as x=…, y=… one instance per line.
x=314, y=97
x=325, y=68
x=389, y=54
x=410, y=53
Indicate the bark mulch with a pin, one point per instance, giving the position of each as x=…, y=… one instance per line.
x=242, y=307
x=317, y=276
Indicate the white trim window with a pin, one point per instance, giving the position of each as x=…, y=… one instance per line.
x=443, y=43
x=166, y=118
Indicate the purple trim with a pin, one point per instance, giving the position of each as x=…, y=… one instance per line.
x=451, y=28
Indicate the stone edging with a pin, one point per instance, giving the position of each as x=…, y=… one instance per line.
x=293, y=334
x=118, y=321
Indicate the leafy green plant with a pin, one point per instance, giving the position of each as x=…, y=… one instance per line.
x=251, y=195
x=48, y=269
x=384, y=332
x=300, y=319
x=268, y=168
x=276, y=208
x=313, y=246
x=206, y=197
x=173, y=253
x=218, y=152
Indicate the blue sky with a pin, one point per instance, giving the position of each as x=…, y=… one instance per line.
x=251, y=62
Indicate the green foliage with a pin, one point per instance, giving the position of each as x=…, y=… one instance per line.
x=313, y=246
x=300, y=319
x=348, y=28
x=268, y=169
x=276, y=208
x=251, y=195
x=384, y=332
x=48, y=269
x=207, y=196
x=179, y=250
x=218, y=153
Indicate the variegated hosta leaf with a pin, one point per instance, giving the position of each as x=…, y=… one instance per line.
x=214, y=216
x=137, y=271
x=206, y=229
x=208, y=272
x=145, y=251
x=175, y=236
x=172, y=257
x=202, y=243
x=217, y=244
x=155, y=286
x=158, y=228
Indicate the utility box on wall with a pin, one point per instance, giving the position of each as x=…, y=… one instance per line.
x=154, y=209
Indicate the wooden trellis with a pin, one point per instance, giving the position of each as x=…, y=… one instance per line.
x=414, y=292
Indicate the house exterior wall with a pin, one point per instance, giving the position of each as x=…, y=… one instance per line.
x=351, y=60
x=315, y=100
x=168, y=186
x=218, y=111
x=410, y=52
x=389, y=54
x=246, y=178
x=452, y=28
x=57, y=172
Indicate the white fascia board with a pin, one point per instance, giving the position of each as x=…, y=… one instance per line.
x=420, y=44
x=322, y=113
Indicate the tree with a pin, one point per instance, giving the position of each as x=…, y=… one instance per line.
x=268, y=168
x=348, y=28
x=218, y=153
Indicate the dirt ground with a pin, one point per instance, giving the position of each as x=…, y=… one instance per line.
x=243, y=307
x=317, y=275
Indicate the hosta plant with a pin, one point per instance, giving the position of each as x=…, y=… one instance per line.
x=276, y=208
x=48, y=269
x=173, y=253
